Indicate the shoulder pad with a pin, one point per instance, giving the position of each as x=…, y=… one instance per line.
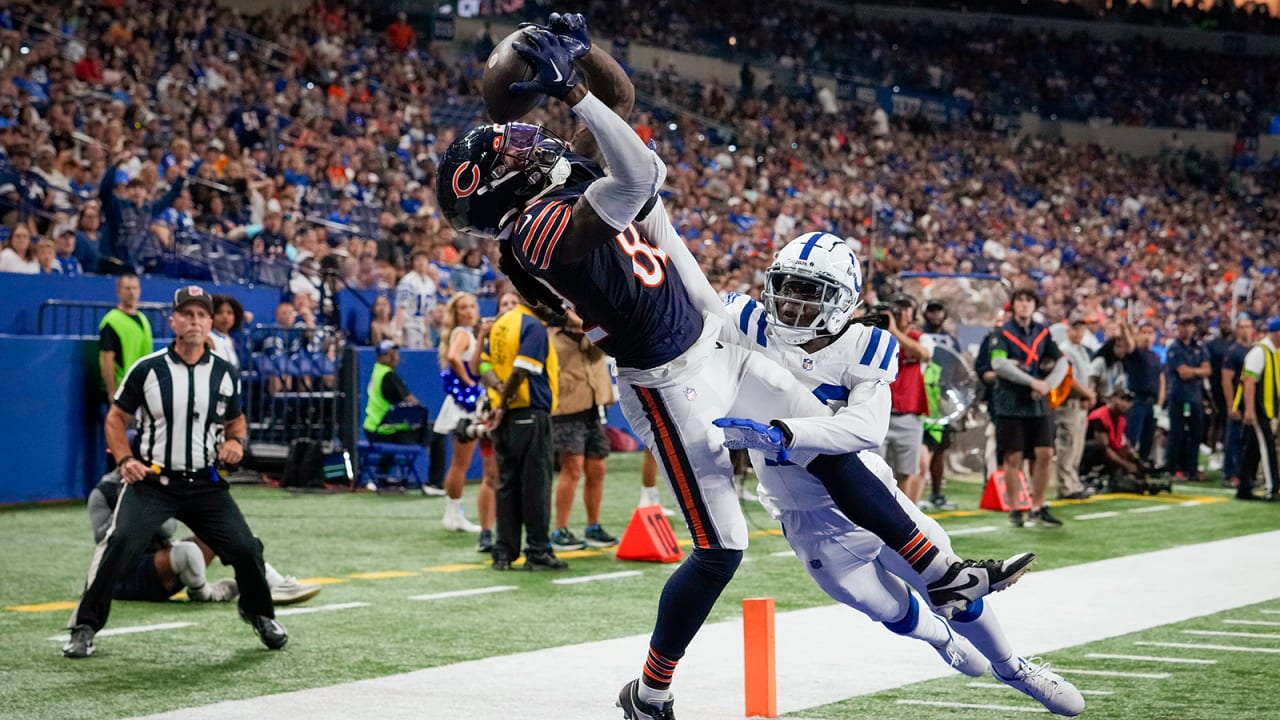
x=538, y=229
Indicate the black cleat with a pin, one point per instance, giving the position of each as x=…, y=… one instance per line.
x=544, y=561
x=633, y=708
x=272, y=633
x=80, y=644
x=968, y=580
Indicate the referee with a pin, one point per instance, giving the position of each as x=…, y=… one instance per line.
x=190, y=419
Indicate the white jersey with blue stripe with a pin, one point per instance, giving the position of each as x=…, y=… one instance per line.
x=851, y=375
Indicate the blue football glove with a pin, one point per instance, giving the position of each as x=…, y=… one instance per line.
x=554, y=73
x=570, y=27
x=747, y=434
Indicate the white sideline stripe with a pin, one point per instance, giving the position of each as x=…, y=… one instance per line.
x=1150, y=509
x=593, y=578
x=824, y=654
x=1270, y=612
x=1098, y=516
x=1114, y=673
x=973, y=706
x=1252, y=622
x=973, y=530
x=130, y=630
x=321, y=608
x=787, y=553
x=1152, y=658
x=464, y=593
x=1189, y=503
x=1225, y=633
x=1197, y=646
x=1002, y=686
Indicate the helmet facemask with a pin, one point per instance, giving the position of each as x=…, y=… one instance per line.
x=802, y=305
x=496, y=171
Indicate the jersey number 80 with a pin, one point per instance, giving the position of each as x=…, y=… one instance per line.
x=647, y=262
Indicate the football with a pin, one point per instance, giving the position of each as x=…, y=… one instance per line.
x=502, y=68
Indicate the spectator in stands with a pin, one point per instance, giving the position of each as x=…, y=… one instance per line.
x=124, y=335
x=65, y=248
x=1071, y=418
x=277, y=347
x=400, y=35
x=1232, y=369
x=88, y=226
x=462, y=405
x=902, y=443
x=19, y=253
x=1149, y=386
x=1188, y=367
x=382, y=326
x=578, y=437
x=472, y=274
x=228, y=324
x=46, y=257
x=125, y=235
x=415, y=300
x=1028, y=364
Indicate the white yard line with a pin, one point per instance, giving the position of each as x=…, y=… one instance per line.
x=1197, y=646
x=464, y=593
x=1152, y=658
x=824, y=654
x=1225, y=633
x=1098, y=515
x=130, y=630
x=786, y=553
x=321, y=608
x=594, y=578
x=974, y=706
x=1002, y=686
x=1268, y=623
x=1113, y=673
x=973, y=530
x=1150, y=509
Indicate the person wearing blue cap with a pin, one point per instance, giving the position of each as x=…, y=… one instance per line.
x=393, y=414
x=1259, y=399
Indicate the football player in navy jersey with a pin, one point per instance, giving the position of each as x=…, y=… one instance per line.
x=602, y=244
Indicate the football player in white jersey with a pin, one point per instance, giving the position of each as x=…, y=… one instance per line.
x=415, y=299
x=804, y=324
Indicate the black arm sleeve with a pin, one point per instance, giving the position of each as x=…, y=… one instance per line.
x=109, y=341
x=394, y=389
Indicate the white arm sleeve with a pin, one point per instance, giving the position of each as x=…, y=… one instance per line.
x=861, y=425
x=635, y=173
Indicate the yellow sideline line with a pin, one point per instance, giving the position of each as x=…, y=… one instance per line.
x=62, y=605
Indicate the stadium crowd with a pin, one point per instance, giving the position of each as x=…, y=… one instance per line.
x=187, y=143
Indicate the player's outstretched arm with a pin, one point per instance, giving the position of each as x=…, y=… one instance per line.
x=609, y=82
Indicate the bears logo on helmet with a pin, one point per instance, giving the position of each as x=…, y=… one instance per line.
x=489, y=173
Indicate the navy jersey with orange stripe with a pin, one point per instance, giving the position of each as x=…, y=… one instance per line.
x=632, y=305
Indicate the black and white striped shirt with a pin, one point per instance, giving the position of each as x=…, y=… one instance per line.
x=183, y=407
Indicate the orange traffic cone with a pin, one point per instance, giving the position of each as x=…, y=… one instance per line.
x=649, y=537
x=993, y=494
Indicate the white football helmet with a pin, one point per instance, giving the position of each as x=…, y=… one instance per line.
x=812, y=288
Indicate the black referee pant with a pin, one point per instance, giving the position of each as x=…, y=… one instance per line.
x=1259, y=452
x=204, y=506
x=523, y=444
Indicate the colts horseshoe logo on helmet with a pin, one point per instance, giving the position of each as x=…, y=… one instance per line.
x=458, y=177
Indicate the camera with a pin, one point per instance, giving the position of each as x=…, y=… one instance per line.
x=469, y=430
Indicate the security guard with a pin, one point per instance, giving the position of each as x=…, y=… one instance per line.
x=1258, y=397
x=393, y=414
x=124, y=335
x=191, y=418
x=526, y=363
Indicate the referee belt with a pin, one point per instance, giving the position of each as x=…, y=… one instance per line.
x=187, y=475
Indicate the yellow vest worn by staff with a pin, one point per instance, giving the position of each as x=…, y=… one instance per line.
x=379, y=405
x=1268, y=387
x=135, y=338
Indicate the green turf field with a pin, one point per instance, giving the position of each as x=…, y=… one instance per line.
x=378, y=551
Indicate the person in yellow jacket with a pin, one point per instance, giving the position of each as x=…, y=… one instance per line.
x=393, y=414
x=124, y=335
x=1258, y=397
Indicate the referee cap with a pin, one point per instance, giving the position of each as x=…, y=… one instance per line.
x=192, y=294
x=386, y=346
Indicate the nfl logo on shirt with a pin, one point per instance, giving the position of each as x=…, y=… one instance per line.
x=690, y=393
x=807, y=364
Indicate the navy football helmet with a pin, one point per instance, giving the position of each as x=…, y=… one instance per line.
x=491, y=172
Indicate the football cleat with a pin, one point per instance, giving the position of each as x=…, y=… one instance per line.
x=968, y=580
x=80, y=644
x=1050, y=689
x=633, y=708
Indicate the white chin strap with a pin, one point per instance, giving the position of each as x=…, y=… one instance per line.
x=559, y=172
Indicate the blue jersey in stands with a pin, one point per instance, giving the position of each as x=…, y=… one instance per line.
x=632, y=305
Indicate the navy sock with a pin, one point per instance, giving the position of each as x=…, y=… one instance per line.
x=686, y=600
x=865, y=500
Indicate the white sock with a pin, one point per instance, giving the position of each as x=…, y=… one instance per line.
x=987, y=635
x=649, y=496
x=653, y=696
x=274, y=578
x=453, y=505
x=188, y=563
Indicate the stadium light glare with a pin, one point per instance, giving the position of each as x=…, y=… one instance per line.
x=732, y=41
x=672, y=127
x=24, y=50
x=733, y=148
